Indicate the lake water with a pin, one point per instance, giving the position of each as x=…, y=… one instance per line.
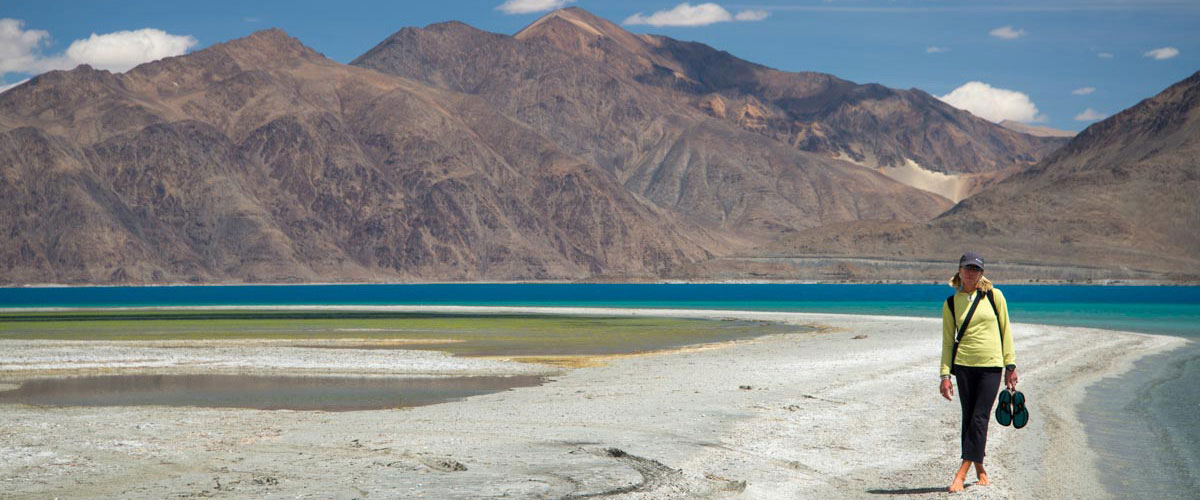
x=1169, y=310
x=1145, y=429
x=1144, y=425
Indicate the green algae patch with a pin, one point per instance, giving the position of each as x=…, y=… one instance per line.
x=462, y=334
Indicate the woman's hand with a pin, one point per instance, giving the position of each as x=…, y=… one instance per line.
x=947, y=389
x=1010, y=379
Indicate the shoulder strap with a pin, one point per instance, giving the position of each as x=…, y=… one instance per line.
x=992, y=299
x=953, y=315
x=967, y=320
x=963, y=327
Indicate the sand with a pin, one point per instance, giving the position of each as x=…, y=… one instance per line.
x=851, y=411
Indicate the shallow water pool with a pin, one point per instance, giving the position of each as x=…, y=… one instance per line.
x=324, y=393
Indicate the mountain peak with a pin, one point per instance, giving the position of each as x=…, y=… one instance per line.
x=573, y=27
x=272, y=35
x=1174, y=112
x=577, y=17
x=261, y=50
x=271, y=44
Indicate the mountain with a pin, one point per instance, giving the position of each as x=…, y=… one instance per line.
x=588, y=85
x=1035, y=130
x=261, y=160
x=868, y=124
x=571, y=150
x=1118, y=201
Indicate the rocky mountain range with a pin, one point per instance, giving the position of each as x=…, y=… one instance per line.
x=631, y=102
x=1118, y=201
x=571, y=150
x=261, y=160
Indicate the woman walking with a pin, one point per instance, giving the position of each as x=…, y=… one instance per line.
x=976, y=348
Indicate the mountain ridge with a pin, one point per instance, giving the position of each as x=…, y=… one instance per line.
x=260, y=160
x=805, y=104
x=1117, y=201
x=573, y=150
x=833, y=124
x=640, y=134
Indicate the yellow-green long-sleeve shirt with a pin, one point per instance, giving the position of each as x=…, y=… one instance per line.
x=980, y=345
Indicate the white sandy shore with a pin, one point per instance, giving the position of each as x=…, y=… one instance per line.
x=826, y=415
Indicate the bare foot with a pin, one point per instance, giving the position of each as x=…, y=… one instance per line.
x=957, y=485
x=982, y=474
x=960, y=477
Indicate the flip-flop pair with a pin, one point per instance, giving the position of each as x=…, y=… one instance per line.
x=1010, y=409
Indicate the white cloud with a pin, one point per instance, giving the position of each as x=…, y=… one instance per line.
x=5, y=86
x=686, y=14
x=1090, y=115
x=21, y=50
x=1083, y=91
x=936, y=50
x=123, y=50
x=531, y=6
x=1104, y=55
x=1007, y=33
x=993, y=104
x=1163, y=53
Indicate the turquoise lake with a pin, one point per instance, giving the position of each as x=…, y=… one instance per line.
x=1173, y=310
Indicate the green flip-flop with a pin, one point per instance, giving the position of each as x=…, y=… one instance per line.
x=1004, y=408
x=1020, y=413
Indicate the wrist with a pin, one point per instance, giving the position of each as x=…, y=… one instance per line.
x=1011, y=368
x=945, y=377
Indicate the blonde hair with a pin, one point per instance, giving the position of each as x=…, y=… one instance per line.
x=984, y=285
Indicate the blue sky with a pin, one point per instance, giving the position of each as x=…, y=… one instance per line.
x=1057, y=63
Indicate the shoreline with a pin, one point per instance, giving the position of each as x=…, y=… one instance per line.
x=1017, y=281
x=812, y=415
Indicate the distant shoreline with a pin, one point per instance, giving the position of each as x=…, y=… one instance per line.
x=1104, y=282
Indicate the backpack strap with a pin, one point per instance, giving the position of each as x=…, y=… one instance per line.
x=950, y=304
x=963, y=327
x=999, y=327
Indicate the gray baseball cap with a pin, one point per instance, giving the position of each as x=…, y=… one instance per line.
x=971, y=259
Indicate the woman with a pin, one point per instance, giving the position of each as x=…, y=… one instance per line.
x=984, y=350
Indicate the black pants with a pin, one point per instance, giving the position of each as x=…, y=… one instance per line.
x=977, y=390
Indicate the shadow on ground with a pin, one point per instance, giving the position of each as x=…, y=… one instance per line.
x=909, y=491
